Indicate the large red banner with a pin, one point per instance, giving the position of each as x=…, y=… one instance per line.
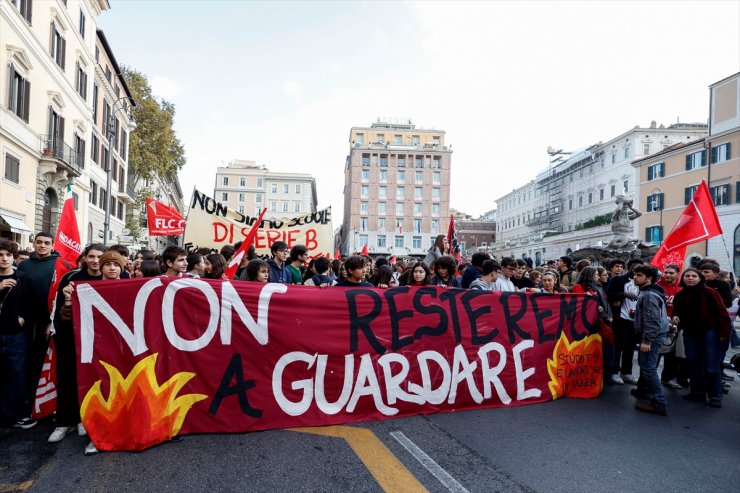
x=159, y=357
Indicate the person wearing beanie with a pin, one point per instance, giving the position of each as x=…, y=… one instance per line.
x=111, y=265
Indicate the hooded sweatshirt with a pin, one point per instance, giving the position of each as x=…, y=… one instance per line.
x=651, y=319
x=40, y=271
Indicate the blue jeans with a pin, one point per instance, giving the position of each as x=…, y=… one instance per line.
x=13, y=356
x=703, y=352
x=648, y=362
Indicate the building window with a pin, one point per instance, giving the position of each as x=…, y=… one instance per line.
x=416, y=242
x=80, y=151
x=285, y=205
x=626, y=152
x=298, y=188
x=363, y=207
x=365, y=175
x=398, y=241
x=436, y=177
x=381, y=224
x=259, y=182
x=614, y=158
x=401, y=176
x=224, y=197
x=25, y=8
x=435, y=226
x=435, y=209
x=400, y=192
x=258, y=198
x=417, y=192
x=590, y=198
x=363, y=224
x=365, y=191
x=20, y=94
x=656, y=171
x=601, y=194
x=93, y=197
x=380, y=138
x=273, y=206
x=383, y=175
x=124, y=143
x=225, y=181
x=655, y=202
x=654, y=234
x=94, y=148
x=688, y=194
x=580, y=201
x=419, y=176
x=417, y=225
x=721, y=153
x=12, y=169
x=359, y=138
x=695, y=160
x=435, y=162
x=397, y=140
x=646, y=149
x=613, y=190
x=626, y=186
x=384, y=160
x=273, y=188
x=366, y=159
x=401, y=161
x=103, y=196
x=76, y=200
x=399, y=208
x=240, y=209
x=95, y=103
x=58, y=46
x=81, y=82
x=286, y=188
x=721, y=194
x=418, y=163
x=415, y=140
x=382, y=208
x=417, y=208
x=570, y=204
x=242, y=181
x=435, y=193
x=381, y=241
x=242, y=197
x=82, y=23
x=382, y=191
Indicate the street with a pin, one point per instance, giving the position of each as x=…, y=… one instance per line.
x=566, y=445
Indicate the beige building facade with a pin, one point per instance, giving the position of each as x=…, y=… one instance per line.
x=396, y=189
x=247, y=187
x=668, y=179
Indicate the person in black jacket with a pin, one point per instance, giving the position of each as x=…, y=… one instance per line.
x=15, y=311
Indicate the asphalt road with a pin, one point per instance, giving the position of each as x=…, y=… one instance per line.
x=598, y=445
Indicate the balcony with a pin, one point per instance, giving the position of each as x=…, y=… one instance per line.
x=58, y=159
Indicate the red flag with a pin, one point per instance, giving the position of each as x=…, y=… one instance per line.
x=364, y=249
x=67, y=241
x=698, y=222
x=239, y=254
x=337, y=254
x=452, y=238
x=45, y=402
x=163, y=220
x=61, y=267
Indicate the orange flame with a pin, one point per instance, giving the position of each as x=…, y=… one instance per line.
x=139, y=412
x=576, y=369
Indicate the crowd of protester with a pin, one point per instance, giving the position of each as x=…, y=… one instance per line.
x=684, y=318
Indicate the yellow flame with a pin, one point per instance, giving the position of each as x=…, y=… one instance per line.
x=564, y=346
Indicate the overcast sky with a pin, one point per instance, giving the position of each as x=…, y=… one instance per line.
x=281, y=83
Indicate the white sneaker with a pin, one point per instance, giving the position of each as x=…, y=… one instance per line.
x=617, y=379
x=91, y=449
x=81, y=431
x=673, y=384
x=629, y=379
x=59, y=433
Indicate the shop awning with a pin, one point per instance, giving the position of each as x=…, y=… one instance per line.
x=16, y=225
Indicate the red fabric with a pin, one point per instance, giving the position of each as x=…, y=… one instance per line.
x=671, y=290
x=67, y=241
x=45, y=402
x=698, y=222
x=364, y=249
x=236, y=259
x=163, y=220
x=252, y=356
x=61, y=267
x=452, y=239
x=337, y=254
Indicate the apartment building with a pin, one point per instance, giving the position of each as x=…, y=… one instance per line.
x=396, y=189
x=62, y=114
x=668, y=179
x=247, y=187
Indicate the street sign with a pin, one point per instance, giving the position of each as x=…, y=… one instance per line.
x=125, y=232
x=125, y=239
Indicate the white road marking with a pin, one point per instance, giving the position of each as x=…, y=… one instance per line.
x=443, y=476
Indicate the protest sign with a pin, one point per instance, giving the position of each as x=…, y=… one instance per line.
x=158, y=357
x=211, y=224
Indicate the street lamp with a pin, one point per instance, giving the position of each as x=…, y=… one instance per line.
x=659, y=209
x=110, y=132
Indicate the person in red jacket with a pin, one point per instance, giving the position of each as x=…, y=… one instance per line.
x=671, y=364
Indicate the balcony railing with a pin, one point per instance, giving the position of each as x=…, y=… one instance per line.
x=54, y=147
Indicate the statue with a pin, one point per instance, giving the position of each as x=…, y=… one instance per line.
x=621, y=227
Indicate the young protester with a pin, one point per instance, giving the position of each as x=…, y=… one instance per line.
x=175, y=261
x=536, y=277
x=651, y=326
x=298, y=257
x=671, y=364
x=383, y=277
x=278, y=269
x=475, y=270
x=123, y=250
x=401, y=265
x=440, y=247
x=699, y=312
x=503, y=283
x=444, y=272
x=15, y=309
x=615, y=267
x=196, y=265
x=321, y=278
x=565, y=270
x=68, y=407
x=310, y=270
x=603, y=277
x=355, y=267
x=420, y=275
x=519, y=279
x=622, y=294
x=549, y=283
x=149, y=268
x=256, y=270
x=490, y=273
x=227, y=251
x=336, y=267
x=215, y=266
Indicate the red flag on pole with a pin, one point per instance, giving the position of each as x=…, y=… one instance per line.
x=45, y=402
x=452, y=238
x=163, y=220
x=698, y=222
x=239, y=254
x=337, y=254
x=67, y=241
x=364, y=249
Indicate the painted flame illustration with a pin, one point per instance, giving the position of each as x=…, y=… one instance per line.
x=138, y=412
x=576, y=368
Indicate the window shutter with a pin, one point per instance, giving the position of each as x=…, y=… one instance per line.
x=78, y=78
x=61, y=129
x=703, y=158
x=714, y=155
x=687, y=196
x=650, y=173
x=51, y=40
x=647, y=235
x=64, y=51
x=728, y=151
x=82, y=154
x=51, y=122
x=26, y=100
x=660, y=201
x=11, y=78
x=29, y=10
x=662, y=169
x=688, y=162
